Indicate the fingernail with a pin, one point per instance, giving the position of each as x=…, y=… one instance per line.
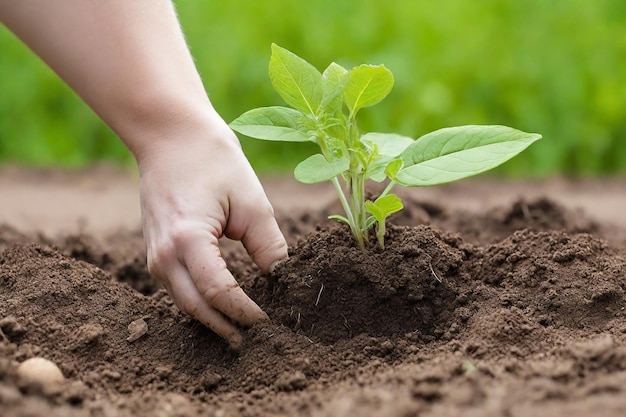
x=235, y=342
x=264, y=318
x=274, y=264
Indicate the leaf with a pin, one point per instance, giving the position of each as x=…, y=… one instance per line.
x=338, y=217
x=376, y=173
x=317, y=168
x=393, y=167
x=298, y=82
x=366, y=86
x=334, y=79
x=384, y=207
x=389, y=144
x=273, y=123
x=454, y=153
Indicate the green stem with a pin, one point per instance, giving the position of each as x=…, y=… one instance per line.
x=357, y=201
x=321, y=141
x=356, y=184
x=387, y=189
x=380, y=234
x=349, y=213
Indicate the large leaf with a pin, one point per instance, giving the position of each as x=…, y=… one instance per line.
x=298, y=82
x=458, y=152
x=317, y=168
x=367, y=85
x=272, y=123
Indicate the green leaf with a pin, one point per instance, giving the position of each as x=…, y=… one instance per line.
x=384, y=207
x=338, y=217
x=393, y=167
x=374, y=210
x=376, y=172
x=273, y=123
x=334, y=79
x=389, y=144
x=298, y=82
x=317, y=168
x=454, y=153
x=367, y=85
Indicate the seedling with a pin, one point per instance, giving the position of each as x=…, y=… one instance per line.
x=323, y=110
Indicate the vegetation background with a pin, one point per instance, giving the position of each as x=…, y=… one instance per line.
x=552, y=67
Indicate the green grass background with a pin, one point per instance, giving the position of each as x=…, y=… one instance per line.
x=555, y=67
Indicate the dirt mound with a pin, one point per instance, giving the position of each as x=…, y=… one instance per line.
x=523, y=315
x=329, y=289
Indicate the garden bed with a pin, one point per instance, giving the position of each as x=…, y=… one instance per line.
x=477, y=307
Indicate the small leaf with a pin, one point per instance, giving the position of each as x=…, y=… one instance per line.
x=338, y=217
x=384, y=207
x=389, y=204
x=389, y=144
x=366, y=86
x=317, y=168
x=273, y=123
x=298, y=82
x=454, y=153
x=334, y=79
x=392, y=169
x=374, y=210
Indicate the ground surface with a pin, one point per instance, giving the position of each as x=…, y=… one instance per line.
x=492, y=298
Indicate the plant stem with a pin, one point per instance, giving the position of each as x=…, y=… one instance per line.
x=357, y=202
x=349, y=213
x=356, y=184
x=387, y=188
x=380, y=234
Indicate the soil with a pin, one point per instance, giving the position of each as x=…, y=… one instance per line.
x=491, y=298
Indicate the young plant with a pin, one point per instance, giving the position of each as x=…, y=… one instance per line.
x=323, y=110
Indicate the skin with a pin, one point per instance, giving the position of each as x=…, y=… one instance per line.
x=129, y=62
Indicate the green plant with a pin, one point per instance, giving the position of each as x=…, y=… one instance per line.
x=323, y=110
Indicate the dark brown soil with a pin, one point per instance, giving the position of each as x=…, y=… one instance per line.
x=517, y=310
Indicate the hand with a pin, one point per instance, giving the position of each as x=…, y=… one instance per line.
x=196, y=186
x=128, y=60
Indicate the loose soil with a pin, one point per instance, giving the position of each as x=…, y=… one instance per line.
x=514, y=308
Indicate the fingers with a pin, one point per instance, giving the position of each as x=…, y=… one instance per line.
x=255, y=225
x=265, y=243
x=216, y=284
x=186, y=296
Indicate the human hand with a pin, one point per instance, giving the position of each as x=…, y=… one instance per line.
x=195, y=187
x=129, y=61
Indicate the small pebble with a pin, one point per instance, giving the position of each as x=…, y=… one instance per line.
x=137, y=329
x=40, y=373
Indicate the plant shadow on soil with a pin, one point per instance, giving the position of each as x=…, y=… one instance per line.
x=519, y=309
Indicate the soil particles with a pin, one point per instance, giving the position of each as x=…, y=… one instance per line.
x=517, y=309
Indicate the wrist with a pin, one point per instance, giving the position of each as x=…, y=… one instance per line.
x=162, y=127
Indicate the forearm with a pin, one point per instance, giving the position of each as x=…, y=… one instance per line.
x=128, y=61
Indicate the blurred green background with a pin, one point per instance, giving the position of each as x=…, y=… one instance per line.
x=552, y=67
